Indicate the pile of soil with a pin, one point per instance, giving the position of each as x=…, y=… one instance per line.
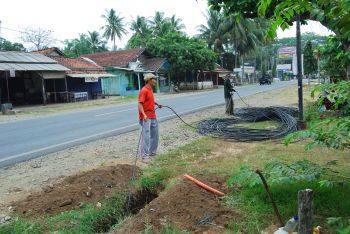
x=74, y=191
x=186, y=207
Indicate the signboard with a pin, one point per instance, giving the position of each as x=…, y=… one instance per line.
x=12, y=73
x=284, y=67
x=91, y=79
x=286, y=52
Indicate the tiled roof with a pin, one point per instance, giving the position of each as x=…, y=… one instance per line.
x=49, y=51
x=77, y=63
x=119, y=58
x=80, y=66
x=153, y=63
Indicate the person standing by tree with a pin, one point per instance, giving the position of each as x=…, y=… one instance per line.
x=147, y=118
x=228, y=89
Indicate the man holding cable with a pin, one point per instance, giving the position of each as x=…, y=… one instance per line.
x=228, y=94
x=148, y=120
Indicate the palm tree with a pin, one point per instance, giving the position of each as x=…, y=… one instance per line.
x=114, y=26
x=160, y=24
x=95, y=42
x=245, y=35
x=141, y=31
x=213, y=32
x=176, y=25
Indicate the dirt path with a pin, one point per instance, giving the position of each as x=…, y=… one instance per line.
x=37, y=174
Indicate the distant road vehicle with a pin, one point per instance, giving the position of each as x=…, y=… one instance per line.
x=265, y=80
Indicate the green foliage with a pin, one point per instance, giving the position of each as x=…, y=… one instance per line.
x=9, y=46
x=145, y=30
x=340, y=224
x=285, y=180
x=184, y=54
x=277, y=172
x=335, y=58
x=114, y=26
x=310, y=63
x=334, y=130
x=21, y=227
x=84, y=45
x=338, y=92
x=257, y=212
x=331, y=132
x=155, y=177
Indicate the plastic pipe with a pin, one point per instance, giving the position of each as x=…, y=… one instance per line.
x=202, y=185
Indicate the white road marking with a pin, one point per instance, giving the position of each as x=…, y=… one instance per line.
x=114, y=112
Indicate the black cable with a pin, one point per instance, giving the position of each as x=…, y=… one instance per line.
x=225, y=128
x=179, y=117
x=242, y=99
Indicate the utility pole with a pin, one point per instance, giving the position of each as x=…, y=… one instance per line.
x=299, y=65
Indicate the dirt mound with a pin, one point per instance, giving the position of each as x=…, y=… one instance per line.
x=74, y=191
x=185, y=206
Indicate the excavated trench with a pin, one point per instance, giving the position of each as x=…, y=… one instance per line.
x=133, y=204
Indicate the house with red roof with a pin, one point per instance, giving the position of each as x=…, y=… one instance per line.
x=128, y=68
x=81, y=82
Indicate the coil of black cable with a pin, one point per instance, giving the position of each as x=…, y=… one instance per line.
x=224, y=128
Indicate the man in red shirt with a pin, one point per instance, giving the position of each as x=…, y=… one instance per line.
x=148, y=120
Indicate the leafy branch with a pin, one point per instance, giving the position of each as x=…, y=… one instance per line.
x=277, y=172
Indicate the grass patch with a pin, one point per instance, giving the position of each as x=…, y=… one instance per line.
x=176, y=162
x=259, y=125
x=258, y=212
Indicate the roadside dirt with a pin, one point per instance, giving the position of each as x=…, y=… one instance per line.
x=186, y=206
x=83, y=163
x=75, y=191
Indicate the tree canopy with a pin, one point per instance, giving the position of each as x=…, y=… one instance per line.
x=183, y=53
x=9, y=46
x=85, y=44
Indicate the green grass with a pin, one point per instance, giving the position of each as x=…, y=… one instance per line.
x=257, y=210
x=176, y=162
x=259, y=125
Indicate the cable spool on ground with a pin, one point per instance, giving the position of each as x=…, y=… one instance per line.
x=224, y=128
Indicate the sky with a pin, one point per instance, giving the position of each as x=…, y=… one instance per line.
x=68, y=18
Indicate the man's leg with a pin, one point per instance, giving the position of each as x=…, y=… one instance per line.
x=230, y=106
x=233, y=106
x=154, y=137
x=145, y=141
x=227, y=105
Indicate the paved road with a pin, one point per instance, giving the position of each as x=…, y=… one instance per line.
x=27, y=139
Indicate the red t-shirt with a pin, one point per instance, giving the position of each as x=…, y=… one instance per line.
x=147, y=99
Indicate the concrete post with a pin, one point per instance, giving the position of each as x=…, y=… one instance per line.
x=305, y=211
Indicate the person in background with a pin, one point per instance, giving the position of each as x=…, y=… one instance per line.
x=148, y=119
x=228, y=89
